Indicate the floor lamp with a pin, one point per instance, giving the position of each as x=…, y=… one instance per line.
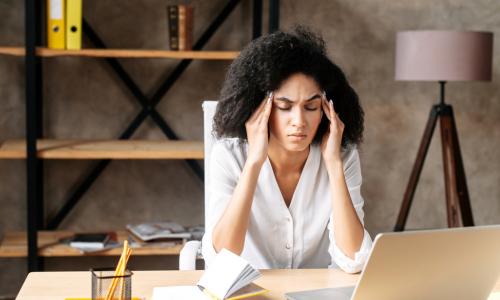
x=442, y=56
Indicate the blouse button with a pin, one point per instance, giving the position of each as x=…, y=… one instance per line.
x=288, y=246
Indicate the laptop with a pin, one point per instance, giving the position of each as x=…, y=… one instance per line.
x=458, y=263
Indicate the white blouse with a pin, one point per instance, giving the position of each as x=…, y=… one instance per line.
x=298, y=236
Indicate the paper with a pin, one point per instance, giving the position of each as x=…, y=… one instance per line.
x=178, y=293
x=223, y=273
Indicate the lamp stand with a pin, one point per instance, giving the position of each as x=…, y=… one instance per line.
x=457, y=196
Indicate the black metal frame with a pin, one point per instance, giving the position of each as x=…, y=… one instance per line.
x=34, y=131
x=34, y=111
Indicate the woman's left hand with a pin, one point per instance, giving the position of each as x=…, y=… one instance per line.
x=332, y=139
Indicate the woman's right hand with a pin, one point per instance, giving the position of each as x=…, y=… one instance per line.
x=257, y=132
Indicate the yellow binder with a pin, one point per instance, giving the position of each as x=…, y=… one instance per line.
x=74, y=24
x=55, y=24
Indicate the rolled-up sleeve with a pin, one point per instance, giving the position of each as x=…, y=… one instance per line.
x=352, y=171
x=223, y=180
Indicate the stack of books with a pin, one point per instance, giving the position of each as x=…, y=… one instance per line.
x=180, y=27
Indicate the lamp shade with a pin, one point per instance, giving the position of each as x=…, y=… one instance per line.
x=437, y=55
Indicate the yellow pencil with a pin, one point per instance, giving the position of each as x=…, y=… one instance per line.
x=120, y=270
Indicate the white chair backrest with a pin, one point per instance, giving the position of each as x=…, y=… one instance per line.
x=208, y=139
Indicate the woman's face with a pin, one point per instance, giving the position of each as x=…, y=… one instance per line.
x=296, y=113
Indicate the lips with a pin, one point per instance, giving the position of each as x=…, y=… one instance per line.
x=297, y=137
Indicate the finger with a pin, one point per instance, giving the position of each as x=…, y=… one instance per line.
x=335, y=113
x=263, y=118
x=261, y=107
x=266, y=110
x=339, y=121
x=332, y=106
x=323, y=95
x=332, y=110
x=326, y=108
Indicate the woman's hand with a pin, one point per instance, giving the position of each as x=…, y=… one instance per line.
x=257, y=132
x=332, y=140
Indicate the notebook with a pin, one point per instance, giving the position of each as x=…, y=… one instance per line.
x=90, y=240
x=228, y=277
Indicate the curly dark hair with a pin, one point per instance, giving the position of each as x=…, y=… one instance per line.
x=269, y=60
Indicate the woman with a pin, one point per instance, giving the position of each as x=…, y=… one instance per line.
x=285, y=173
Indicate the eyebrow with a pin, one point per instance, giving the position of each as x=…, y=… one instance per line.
x=285, y=99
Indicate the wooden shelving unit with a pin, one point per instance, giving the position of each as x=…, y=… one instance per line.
x=37, y=241
x=105, y=149
x=49, y=245
x=124, y=53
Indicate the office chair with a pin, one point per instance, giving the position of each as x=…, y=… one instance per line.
x=192, y=249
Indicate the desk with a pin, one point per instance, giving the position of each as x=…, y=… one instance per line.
x=59, y=285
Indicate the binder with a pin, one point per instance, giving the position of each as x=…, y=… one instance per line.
x=74, y=24
x=55, y=24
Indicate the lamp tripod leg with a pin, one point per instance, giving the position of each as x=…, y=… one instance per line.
x=417, y=169
x=457, y=196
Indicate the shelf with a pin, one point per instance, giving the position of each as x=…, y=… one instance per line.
x=124, y=53
x=105, y=149
x=14, y=245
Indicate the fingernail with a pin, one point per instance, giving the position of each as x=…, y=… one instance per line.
x=331, y=102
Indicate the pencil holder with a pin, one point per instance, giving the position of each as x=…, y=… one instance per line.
x=105, y=285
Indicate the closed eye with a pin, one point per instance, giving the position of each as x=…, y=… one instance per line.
x=288, y=107
x=284, y=107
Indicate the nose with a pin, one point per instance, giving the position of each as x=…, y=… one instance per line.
x=298, y=118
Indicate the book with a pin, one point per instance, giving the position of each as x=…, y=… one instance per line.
x=173, y=30
x=182, y=26
x=90, y=240
x=185, y=27
x=158, y=230
x=189, y=22
x=229, y=276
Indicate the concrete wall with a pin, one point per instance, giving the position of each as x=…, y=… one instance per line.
x=83, y=99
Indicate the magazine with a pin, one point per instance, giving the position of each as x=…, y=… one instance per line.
x=158, y=230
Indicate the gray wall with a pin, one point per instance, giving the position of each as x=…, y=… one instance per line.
x=83, y=99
